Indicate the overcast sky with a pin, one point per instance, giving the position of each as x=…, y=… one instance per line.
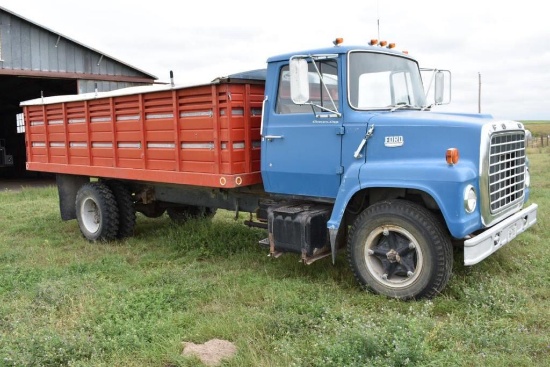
x=508, y=43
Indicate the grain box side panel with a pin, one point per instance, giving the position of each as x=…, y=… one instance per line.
x=159, y=131
x=198, y=135
x=129, y=131
x=197, y=130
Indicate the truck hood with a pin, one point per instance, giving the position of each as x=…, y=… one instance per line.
x=423, y=135
x=429, y=118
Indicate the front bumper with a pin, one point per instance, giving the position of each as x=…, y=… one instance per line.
x=495, y=237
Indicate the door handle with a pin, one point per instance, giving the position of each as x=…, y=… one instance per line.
x=271, y=137
x=357, y=153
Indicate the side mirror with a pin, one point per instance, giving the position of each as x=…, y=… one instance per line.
x=439, y=87
x=299, y=82
x=442, y=87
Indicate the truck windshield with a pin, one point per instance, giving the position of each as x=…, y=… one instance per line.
x=381, y=81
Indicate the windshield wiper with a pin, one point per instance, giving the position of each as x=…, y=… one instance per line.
x=402, y=105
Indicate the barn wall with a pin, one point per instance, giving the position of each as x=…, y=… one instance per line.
x=88, y=86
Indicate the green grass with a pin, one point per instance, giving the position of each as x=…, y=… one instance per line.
x=66, y=302
x=538, y=128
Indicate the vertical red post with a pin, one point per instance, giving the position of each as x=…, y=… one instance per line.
x=46, y=133
x=229, y=115
x=176, y=117
x=28, y=143
x=247, y=113
x=142, y=130
x=216, y=129
x=87, y=121
x=113, y=132
x=65, y=131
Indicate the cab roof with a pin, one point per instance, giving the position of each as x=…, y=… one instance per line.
x=338, y=50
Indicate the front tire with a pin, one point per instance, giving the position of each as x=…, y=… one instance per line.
x=97, y=212
x=399, y=249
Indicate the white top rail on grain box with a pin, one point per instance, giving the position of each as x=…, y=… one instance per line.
x=114, y=93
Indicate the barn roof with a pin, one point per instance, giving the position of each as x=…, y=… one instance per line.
x=89, y=69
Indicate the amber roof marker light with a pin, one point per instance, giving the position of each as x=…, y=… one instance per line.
x=338, y=41
x=391, y=45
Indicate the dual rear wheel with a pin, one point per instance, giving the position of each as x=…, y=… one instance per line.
x=105, y=211
x=97, y=212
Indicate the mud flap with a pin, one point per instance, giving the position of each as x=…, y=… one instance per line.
x=67, y=187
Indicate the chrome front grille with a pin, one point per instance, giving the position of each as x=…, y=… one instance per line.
x=506, y=170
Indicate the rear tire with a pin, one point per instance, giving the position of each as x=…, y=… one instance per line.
x=399, y=249
x=97, y=212
x=126, y=209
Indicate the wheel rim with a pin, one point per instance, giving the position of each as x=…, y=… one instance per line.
x=393, y=256
x=90, y=215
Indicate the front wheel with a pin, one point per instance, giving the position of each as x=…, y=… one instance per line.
x=399, y=249
x=97, y=212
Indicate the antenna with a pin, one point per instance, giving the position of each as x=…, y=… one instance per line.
x=378, y=17
x=479, y=93
x=172, y=78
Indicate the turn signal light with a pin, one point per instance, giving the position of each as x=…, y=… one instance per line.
x=452, y=156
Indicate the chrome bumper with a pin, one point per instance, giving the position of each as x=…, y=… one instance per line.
x=495, y=237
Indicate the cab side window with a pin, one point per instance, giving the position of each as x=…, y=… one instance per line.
x=317, y=91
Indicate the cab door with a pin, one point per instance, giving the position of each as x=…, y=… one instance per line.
x=301, y=144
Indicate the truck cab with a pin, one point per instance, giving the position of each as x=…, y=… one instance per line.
x=352, y=126
x=321, y=136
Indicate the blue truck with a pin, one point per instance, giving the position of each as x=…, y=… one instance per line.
x=331, y=149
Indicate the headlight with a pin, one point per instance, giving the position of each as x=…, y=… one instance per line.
x=470, y=199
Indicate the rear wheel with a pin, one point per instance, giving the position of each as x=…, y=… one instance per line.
x=126, y=209
x=97, y=212
x=399, y=249
x=181, y=214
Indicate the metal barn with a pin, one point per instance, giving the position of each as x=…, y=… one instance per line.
x=36, y=61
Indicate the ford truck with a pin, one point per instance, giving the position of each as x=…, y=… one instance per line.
x=330, y=149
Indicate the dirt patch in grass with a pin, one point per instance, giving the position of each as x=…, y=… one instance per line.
x=212, y=352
